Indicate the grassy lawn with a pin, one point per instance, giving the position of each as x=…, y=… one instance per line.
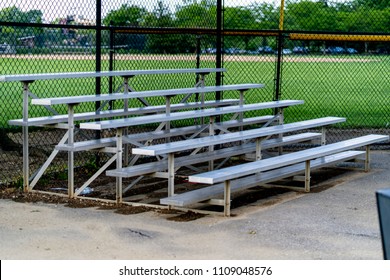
x=358, y=90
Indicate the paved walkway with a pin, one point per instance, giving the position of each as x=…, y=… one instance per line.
x=338, y=223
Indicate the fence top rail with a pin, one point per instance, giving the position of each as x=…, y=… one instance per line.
x=122, y=73
x=140, y=94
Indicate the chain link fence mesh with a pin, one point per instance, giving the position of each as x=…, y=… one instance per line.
x=334, y=55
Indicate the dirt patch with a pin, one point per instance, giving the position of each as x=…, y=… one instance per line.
x=130, y=210
x=35, y=197
x=123, y=209
x=186, y=217
x=148, y=191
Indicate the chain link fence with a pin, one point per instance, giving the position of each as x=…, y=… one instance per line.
x=334, y=55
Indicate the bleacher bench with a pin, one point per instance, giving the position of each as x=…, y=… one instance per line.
x=230, y=173
x=258, y=134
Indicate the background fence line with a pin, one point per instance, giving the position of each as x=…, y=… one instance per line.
x=335, y=55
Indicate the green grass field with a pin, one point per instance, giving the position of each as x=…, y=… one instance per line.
x=357, y=89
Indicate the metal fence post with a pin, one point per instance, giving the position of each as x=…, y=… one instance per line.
x=219, y=46
x=278, y=72
x=111, y=63
x=98, y=63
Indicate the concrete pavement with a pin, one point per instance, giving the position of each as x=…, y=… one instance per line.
x=337, y=223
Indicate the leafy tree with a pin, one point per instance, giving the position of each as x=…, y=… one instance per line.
x=11, y=14
x=14, y=14
x=239, y=18
x=196, y=15
x=359, y=17
x=373, y=4
x=265, y=15
x=33, y=16
x=8, y=15
x=310, y=16
x=363, y=20
x=126, y=15
x=161, y=17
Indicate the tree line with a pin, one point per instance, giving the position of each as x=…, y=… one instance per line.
x=322, y=15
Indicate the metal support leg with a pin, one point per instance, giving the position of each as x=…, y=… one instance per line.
x=50, y=159
x=280, y=136
x=132, y=184
x=126, y=90
x=227, y=195
x=367, y=162
x=258, y=149
x=26, y=164
x=25, y=160
x=323, y=136
x=140, y=99
x=171, y=174
x=201, y=82
x=168, y=113
x=241, y=115
x=99, y=172
x=211, y=148
x=307, y=176
x=119, y=151
x=70, y=153
x=202, y=100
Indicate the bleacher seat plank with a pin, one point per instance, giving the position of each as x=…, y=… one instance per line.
x=184, y=145
x=50, y=120
x=217, y=190
x=120, y=73
x=140, y=94
x=121, y=123
x=245, y=169
x=157, y=166
x=111, y=141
